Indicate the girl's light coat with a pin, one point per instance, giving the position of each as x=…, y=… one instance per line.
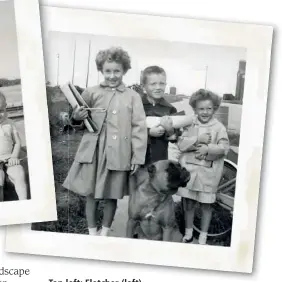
x=126, y=127
x=205, y=174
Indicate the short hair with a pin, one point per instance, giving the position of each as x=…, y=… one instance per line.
x=202, y=95
x=149, y=70
x=2, y=98
x=113, y=54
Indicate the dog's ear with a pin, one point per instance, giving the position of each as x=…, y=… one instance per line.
x=173, y=170
x=152, y=170
x=172, y=167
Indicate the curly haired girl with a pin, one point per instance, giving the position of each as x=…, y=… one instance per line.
x=204, y=145
x=104, y=160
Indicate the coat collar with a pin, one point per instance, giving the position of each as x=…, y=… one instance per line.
x=161, y=102
x=120, y=88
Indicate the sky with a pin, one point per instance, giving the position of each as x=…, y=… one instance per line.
x=9, y=64
x=188, y=66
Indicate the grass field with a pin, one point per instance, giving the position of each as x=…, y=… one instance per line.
x=70, y=206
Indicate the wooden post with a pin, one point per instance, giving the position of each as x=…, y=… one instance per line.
x=58, y=68
x=206, y=77
x=73, y=66
x=88, y=64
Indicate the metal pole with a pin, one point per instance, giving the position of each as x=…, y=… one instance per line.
x=73, y=66
x=206, y=77
x=58, y=68
x=88, y=64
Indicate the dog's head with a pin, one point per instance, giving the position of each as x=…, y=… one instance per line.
x=167, y=176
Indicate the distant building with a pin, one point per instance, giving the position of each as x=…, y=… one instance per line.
x=240, y=81
x=228, y=96
x=172, y=90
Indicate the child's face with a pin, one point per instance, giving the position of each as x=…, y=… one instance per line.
x=155, y=85
x=2, y=110
x=205, y=110
x=113, y=73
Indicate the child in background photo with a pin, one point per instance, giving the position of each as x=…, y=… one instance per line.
x=203, y=147
x=10, y=147
x=104, y=160
x=154, y=84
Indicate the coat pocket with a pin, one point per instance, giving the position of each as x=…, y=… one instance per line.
x=86, y=148
x=209, y=178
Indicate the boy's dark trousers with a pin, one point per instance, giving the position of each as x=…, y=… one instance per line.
x=157, y=150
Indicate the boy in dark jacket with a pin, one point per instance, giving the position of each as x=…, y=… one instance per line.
x=154, y=84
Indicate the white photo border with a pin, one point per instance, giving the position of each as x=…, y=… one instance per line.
x=42, y=205
x=257, y=39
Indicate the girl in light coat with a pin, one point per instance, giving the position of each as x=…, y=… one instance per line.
x=204, y=145
x=104, y=159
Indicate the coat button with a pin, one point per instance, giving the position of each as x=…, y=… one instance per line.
x=114, y=137
x=114, y=112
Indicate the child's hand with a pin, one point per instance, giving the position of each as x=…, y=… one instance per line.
x=202, y=151
x=166, y=123
x=172, y=137
x=134, y=168
x=157, y=131
x=13, y=161
x=204, y=138
x=80, y=113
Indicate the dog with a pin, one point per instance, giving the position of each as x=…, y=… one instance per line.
x=151, y=207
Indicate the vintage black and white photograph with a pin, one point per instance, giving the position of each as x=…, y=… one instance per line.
x=14, y=170
x=201, y=85
x=146, y=136
x=15, y=184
